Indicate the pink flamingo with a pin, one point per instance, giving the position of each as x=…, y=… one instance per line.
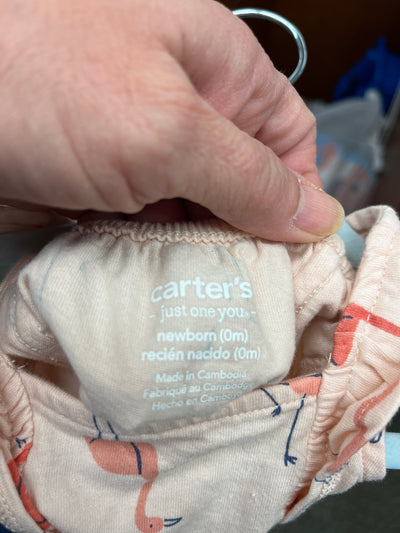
x=304, y=385
x=131, y=459
x=14, y=467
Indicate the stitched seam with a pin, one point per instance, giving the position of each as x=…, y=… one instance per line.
x=292, y=405
x=314, y=292
x=334, y=246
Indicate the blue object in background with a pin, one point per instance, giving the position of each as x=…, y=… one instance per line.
x=378, y=69
x=392, y=442
x=354, y=244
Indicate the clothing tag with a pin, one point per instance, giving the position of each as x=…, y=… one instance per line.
x=206, y=343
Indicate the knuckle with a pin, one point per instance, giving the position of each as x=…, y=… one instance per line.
x=161, y=137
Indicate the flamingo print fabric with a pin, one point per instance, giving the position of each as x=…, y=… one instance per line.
x=191, y=377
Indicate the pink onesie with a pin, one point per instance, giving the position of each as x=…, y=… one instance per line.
x=190, y=377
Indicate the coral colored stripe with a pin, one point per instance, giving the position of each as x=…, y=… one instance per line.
x=23, y=493
x=384, y=325
x=344, y=334
x=359, y=421
x=23, y=456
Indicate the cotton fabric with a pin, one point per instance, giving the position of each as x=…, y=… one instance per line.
x=297, y=414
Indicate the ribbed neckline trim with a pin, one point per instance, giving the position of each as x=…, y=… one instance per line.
x=212, y=230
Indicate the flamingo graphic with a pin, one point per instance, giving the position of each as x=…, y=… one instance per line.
x=345, y=331
x=131, y=459
x=14, y=467
x=305, y=385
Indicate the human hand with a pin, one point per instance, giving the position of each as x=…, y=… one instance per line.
x=112, y=105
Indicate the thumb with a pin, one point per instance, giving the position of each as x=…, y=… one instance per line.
x=243, y=182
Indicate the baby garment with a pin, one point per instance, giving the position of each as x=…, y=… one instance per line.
x=194, y=377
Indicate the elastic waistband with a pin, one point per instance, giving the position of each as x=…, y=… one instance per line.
x=206, y=231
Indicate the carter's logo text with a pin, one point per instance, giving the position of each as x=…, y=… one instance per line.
x=200, y=289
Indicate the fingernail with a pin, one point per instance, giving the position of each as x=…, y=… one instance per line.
x=318, y=213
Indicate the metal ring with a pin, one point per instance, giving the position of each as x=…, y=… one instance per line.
x=288, y=26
